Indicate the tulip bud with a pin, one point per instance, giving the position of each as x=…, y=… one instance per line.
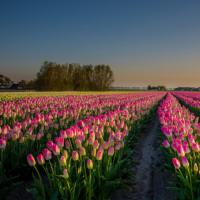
x=99, y=154
x=180, y=151
x=82, y=151
x=176, y=163
x=65, y=154
x=166, y=144
x=96, y=144
x=31, y=160
x=78, y=143
x=105, y=145
x=40, y=159
x=50, y=144
x=59, y=141
x=79, y=170
x=75, y=155
x=94, y=152
x=47, y=154
x=65, y=173
x=89, y=164
x=195, y=147
x=67, y=144
x=55, y=149
x=195, y=168
x=63, y=161
x=111, y=151
x=185, y=162
x=2, y=143
x=5, y=129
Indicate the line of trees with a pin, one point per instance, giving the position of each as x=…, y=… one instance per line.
x=53, y=76
x=4, y=81
x=159, y=88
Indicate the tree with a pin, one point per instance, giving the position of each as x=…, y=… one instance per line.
x=73, y=76
x=22, y=84
x=103, y=77
x=5, y=81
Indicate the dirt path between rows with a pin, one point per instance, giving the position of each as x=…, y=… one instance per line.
x=150, y=180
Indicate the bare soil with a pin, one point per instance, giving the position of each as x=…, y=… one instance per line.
x=150, y=181
x=20, y=193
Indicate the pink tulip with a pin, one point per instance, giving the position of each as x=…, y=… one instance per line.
x=186, y=147
x=63, y=134
x=105, y=145
x=40, y=159
x=50, y=144
x=75, y=155
x=180, y=151
x=47, y=154
x=185, y=162
x=63, y=161
x=176, y=163
x=78, y=143
x=5, y=129
x=96, y=144
x=70, y=133
x=99, y=154
x=2, y=143
x=166, y=144
x=118, y=146
x=195, y=147
x=59, y=141
x=82, y=151
x=65, y=173
x=55, y=149
x=31, y=160
x=111, y=151
x=67, y=144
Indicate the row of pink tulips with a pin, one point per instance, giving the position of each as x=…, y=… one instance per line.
x=79, y=161
x=190, y=99
x=30, y=122
x=36, y=119
x=182, y=130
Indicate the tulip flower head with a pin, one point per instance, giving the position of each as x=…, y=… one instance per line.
x=31, y=160
x=89, y=164
x=185, y=162
x=75, y=155
x=47, y=154
x=63, y=161
x=65, y=154
x=65, y=173
x=196, y=168
x=111, y=151
x=56, y=149
x=2, y=143
x=166, y=144
x=99, y=154
x=82, y=151
x=40, y=159
x=176, y=163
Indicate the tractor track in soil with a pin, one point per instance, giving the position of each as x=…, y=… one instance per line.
x=150, y=180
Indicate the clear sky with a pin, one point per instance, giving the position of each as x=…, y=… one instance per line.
x=145, y=41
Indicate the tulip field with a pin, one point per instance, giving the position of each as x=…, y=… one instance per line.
x=70, y=146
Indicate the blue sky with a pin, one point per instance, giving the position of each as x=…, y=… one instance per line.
x=145, y=41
